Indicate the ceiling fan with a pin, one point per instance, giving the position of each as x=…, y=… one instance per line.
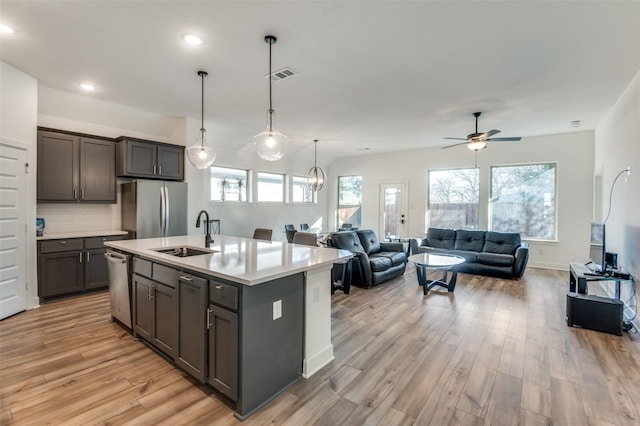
x=476, y=141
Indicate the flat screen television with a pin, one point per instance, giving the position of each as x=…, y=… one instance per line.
x=597, y=248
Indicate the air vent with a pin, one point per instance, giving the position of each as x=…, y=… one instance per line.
x=282, y=74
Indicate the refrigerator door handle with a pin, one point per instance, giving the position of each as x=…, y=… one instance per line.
x=167, y=210
x=162, y=212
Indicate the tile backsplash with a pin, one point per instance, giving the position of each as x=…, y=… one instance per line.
x=80, y=217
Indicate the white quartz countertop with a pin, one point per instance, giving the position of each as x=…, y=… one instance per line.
x=79, y=234
x=241, y=260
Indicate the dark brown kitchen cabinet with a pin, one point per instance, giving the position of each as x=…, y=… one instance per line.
x=74, y=168
x=67, y=266
x=192, y=330
x=147, y=159
x=155, y=305
x=223, y=351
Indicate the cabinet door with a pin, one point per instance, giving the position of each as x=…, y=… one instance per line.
x=165, y=318
x=60, y=273
x=192, y=333
x=58, y=167
x=171, y=162
x=143, y=307
x=96, y=274
x=97, y=170
x=223, y=351
x=141, y=159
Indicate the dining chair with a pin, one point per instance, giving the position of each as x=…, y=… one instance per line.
x=305, y=238
x=289, y=233
x=262, y=234
x=304, y=226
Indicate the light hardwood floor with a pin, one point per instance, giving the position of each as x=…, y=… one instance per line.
x=496, y=352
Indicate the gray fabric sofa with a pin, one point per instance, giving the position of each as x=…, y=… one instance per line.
x=497, y=254
x=377, y=261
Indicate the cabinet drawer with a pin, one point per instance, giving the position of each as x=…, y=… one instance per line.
x=223, y=294
x=165, y=275
x=98, y=242
x=55, y=246
x=142, y=267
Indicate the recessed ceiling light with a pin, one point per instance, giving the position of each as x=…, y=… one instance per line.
x=576, y=123
x=88, y=87
x=6, y=29
x=193, y=39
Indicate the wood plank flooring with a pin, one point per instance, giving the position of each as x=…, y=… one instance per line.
x=496, y=352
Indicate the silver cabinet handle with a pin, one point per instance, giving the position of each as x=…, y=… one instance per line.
x=187, y=279
x=154, y=169
x=88, y=257
x=209, y=318
x=82, y=194
x=74, y=194
x=63, y=242
x=159, y=170
x=219, y=287
x=80, y=257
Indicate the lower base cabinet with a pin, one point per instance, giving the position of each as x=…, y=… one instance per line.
x=192, y=332
x=223, y=351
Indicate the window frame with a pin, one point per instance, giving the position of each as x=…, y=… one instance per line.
x=283, y=187
x=247, y=184
x=292, y=186
x=490, y=204
x=338, y=206
x=478, y=202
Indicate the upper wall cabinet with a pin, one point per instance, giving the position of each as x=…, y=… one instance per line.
x=152, y=160
x=75, y=168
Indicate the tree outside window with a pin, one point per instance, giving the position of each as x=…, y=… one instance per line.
x=523, y=200
x=454, y=198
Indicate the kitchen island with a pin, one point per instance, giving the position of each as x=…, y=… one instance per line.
x=249, y=317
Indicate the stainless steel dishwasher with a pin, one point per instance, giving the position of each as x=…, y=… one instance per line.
x=119, y=289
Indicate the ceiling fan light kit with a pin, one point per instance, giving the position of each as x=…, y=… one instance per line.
x=477, y=141
x=270, y=144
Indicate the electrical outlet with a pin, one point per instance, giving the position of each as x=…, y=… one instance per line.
x=277, y=309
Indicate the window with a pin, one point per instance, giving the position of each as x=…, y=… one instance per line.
x=270, y=187
x=300, y=192
x=523, y=199
x=228, y=184
x=454, y=198
x=350, y=200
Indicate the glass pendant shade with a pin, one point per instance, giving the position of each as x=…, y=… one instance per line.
x=315, y=175
x=476, y=145
x=270, y=144
x=200, y=154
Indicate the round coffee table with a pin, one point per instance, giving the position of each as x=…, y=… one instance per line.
x=443, y=262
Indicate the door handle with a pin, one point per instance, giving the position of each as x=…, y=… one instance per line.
x=162, y=211
x=80, y=257
x=209, y=318
x=166, y=210
x=88, y=257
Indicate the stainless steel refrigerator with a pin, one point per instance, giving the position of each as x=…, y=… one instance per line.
x=153, y=208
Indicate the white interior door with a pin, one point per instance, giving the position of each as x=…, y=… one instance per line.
x=393, y=210
x=13, y=211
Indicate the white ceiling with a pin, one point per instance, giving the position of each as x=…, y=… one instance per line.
x=383, y=75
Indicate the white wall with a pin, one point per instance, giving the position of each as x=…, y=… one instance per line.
x=573, y=153
x=617, y=146
x=18, y=122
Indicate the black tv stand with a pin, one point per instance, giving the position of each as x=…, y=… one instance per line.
x=580, y=275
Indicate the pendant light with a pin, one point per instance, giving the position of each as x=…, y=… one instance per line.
x=315, y=176
x=199, y=154
x=270, y=144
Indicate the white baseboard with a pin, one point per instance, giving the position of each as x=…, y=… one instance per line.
x=311, y=365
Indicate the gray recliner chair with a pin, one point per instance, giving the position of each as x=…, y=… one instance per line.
x=377, y=261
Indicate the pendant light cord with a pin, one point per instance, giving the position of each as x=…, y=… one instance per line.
x=628, y=172
x=202, y=102
x=315, y=154
x=271, y=41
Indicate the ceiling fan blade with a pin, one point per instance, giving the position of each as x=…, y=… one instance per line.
x=457, y=139
x=514, y=139
x=455, y=144
x=491, y=133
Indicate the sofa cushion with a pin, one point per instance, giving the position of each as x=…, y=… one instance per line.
x=379, y=263
x=397, y=258
x=441, y=238
x=469, y=240
x=347, y=240
x=469, y=256
x=369, y=241
x=501, y=242
x=495, y=259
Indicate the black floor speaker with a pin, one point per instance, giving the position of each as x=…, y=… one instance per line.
x=595, y=313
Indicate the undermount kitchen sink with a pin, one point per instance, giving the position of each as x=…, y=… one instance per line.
x=184, y=251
